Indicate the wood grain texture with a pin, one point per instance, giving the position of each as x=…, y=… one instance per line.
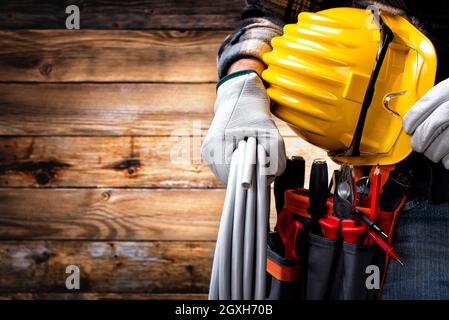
x=105, y=109
x=99, y=156
x=101, y=296
x=110, y=267
x=156, y=162
x=146, y=109
x=110, y=214
x=100, y=14
x=104, y=161
x=109, y=56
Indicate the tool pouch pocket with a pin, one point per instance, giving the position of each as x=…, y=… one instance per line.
x=342, y=271
x=284, y=276
x=321, y=263
x=360, y=272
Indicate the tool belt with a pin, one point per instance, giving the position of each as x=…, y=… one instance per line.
x=340, y=263
x=430, y=180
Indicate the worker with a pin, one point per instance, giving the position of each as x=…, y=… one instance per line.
x=242, y=109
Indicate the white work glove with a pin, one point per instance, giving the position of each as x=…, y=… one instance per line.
x=242, y=109
x=428, y=123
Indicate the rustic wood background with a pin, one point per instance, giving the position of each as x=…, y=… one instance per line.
x=89, y=120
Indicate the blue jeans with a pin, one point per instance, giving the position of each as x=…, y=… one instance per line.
x=422, y=240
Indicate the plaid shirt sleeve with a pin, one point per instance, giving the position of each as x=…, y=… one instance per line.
x=261, y=21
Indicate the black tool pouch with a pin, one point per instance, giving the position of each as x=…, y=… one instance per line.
x=337, y=270
x=321, y=263
x=358, y=261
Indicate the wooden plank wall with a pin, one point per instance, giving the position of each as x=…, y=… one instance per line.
x=100, y=130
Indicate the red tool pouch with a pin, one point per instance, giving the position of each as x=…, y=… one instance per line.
x=327, y=267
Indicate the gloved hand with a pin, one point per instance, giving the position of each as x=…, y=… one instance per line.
x=242, y=109
x=428, y=123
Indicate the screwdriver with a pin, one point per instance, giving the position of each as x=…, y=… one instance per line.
x=375, y=194
x=389, y=251
x=371, y=224
x=292, y=178
x=334, y=181
x=318, y=193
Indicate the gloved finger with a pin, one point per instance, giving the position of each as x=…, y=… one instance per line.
x=274, y=146
x=222, y=169
x=429, y=132
x=278, y=156
x=425, y=106
x=234, y=135
x=270, y=138
x=439, y=147
x=445, y=161
x=270, y=179
x=217, y=153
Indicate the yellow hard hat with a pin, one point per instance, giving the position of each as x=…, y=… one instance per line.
x=343, y=79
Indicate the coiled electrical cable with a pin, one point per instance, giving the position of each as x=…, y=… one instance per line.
x=239, y=265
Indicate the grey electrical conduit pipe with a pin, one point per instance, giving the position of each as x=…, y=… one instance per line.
x=244, y=221
x=238, y=227
x=262, y=224
x=249, y=242
x=224, y=266
x=224, y=238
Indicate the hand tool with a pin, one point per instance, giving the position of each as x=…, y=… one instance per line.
x=318, y=193
x=341, y=185
x=362, y=188
x=334, y=181
x=291, y=232
x=370, y=224
x=292, y=178
x=384, y=246
x=344, y=197
x=375, y=194
x=351, y=232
